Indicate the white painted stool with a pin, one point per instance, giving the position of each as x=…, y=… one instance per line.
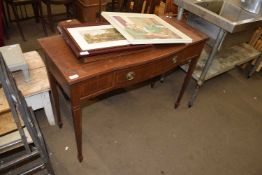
x=36, y=91
x=15, y=60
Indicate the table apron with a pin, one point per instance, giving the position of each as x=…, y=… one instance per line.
x=132, y=75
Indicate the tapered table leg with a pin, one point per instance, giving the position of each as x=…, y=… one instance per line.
x=77, y=119
x=190, y=70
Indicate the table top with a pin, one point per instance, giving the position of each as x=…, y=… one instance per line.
x=68, y=65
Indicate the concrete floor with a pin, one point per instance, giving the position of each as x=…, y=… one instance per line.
x=138, y=132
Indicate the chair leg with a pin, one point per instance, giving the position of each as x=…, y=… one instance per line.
x=8, y=11
x=4, y=6
x=5, y=28
x=17, y=22
x=70, y=10
x=50, y=17
x=254, y=68
x=5, y=21
x=67, y=11
x=41, y=17
x=36, y=11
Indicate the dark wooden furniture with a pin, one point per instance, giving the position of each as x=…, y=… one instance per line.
x=81, y=81
x=170, y=7
x=1, y=24
x=49, y=19
x=139, y=6
x=20, y=13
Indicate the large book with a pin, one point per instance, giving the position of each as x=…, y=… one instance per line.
x=86, y=40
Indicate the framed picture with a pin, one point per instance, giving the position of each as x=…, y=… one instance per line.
x=140, y=28
x=96, y=37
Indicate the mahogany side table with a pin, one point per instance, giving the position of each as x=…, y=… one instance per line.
x=81, y=81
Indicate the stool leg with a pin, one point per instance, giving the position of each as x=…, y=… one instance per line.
x=48, y=108
x=26, y=74
x=17, y=21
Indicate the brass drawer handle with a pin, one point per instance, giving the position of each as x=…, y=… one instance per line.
x=174, y=59
x=130, y=76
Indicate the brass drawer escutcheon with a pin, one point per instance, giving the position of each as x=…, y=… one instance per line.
x=130, y=76
x=174, y=59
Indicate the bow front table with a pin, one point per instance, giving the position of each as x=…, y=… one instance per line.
x=81, y=81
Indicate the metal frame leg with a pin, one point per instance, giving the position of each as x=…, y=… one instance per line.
x=180, y=13
x=180, y=9
x=210, y=59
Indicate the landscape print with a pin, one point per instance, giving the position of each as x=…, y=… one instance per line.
x=102, y=35
x=96, y=37
x=145, y=28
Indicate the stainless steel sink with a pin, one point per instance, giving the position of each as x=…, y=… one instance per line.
x=226, y=10
x=213, y=6
x=226, y=15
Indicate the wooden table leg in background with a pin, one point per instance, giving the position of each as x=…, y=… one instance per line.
x=55, y=99
x=188, y=77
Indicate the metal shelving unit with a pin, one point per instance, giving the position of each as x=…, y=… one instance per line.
x=223, y=62
x=220, y=28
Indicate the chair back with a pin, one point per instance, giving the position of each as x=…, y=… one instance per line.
x=139, y=6
x=256, y=39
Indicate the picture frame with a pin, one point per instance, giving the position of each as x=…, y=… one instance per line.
x=140, y=28
x=88, y=38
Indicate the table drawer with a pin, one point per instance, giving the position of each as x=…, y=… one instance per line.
x=179, y=58
x=97, y=85
x=136, y=74
x=144, y=72
x=171, y=62
x=191, y=52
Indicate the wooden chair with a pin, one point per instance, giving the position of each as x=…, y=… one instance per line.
x=139, y=6
x=113, y=5
x=49, y=18
x=256, y=42
x=170, y=8
x=20, y=12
